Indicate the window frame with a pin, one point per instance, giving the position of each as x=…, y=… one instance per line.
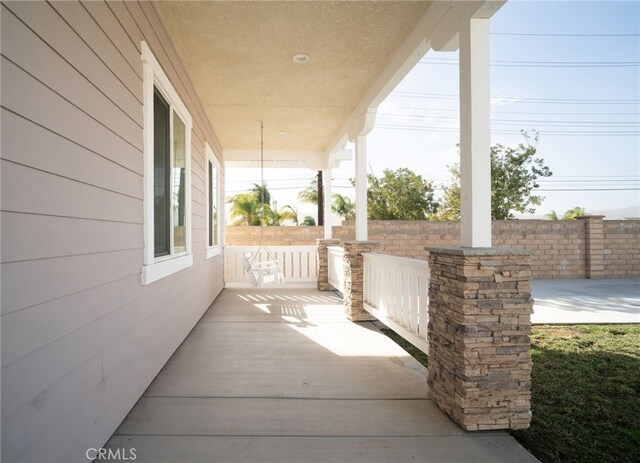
x=154, y=78
x=210, y=156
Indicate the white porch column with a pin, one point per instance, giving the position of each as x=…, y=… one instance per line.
x=327, y=203
x=475, y=134
x=361, y=188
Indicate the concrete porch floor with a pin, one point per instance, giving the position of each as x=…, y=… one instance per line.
x=277, y=375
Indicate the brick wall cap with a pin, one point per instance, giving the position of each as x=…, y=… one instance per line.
x=590, y=216
x=479, y=251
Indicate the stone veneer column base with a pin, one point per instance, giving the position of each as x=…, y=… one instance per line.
x=323, y=263
x=480, y=308
x=354, y=279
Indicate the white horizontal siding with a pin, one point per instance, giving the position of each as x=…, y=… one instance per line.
x=51, y=194
x=48, y=25
x=35, y=146
x=81, y=337
x=36, y=102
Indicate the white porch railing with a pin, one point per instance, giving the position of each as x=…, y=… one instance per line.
x=298, y=264
x=396, y=293
x=335, y=257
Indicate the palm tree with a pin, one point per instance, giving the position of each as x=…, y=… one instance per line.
x=292, y=213
x=571, y=214
x=275, y=217
x=343, y=206
x=310, y=194
x=246, y=209
x=262, y=193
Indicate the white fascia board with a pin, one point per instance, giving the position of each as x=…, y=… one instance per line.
x=316, y=160
x=444, y=37
x=339, y=156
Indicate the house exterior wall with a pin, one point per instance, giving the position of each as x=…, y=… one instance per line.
x=558, y=248
x=82, y=338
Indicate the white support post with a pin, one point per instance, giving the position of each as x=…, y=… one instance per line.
x=361, y=188
x=327, y=203
x=475, y=134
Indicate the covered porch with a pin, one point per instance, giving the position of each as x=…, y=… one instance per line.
x=280, y=375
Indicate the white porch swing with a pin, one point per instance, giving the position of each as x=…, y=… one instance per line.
x=262, y=272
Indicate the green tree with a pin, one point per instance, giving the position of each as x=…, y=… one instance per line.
x=245, y=209
x=343, y=206
x=340, y=204
x=277, y=217
x=308, y=221
x=514, y=175
x=262, y=193
x=292, y=212
x=570, y=214
x=400, y=195
x=310, y=194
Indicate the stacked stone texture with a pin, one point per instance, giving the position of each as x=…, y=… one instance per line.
x=479, y=346
x=323, y=263
x=354, y=279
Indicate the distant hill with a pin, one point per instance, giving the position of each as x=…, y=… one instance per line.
x=622, y=213
x=610, y=214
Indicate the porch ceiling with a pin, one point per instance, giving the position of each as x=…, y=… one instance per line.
x=238, y=55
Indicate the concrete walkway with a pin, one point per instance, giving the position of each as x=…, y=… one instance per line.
x=586, y=301
x=281, y=376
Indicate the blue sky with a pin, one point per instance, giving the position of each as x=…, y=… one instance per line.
x=547, y=74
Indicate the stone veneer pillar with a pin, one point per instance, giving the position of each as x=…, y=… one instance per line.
x=323, y=263
x=594, y=245
x=480, y=308
x=354, y=279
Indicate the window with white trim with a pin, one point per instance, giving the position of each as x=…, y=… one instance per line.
x=213, y=215
x=167, y=175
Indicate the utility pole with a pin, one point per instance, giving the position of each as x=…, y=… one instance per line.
x=320, y=200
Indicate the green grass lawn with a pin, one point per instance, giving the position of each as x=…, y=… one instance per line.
x=585, y=393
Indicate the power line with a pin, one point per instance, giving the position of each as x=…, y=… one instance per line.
x=540, y=64
x=507, y=132
x=562, y=35
x=589, y=189
x=513, y=121
x=520, y=112
x=454, y=96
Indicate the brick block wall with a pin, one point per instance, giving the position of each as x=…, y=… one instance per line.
x=273, y=236
x=622, y=248
x=558, y=248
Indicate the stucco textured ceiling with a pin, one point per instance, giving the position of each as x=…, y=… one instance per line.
x=238, y=55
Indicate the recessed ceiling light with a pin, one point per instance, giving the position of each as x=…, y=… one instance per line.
x=300, y=58
x=284, y=133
